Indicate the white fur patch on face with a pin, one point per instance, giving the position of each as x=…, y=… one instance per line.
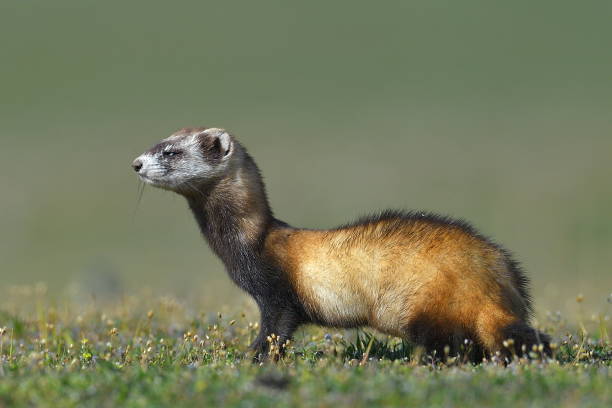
x=180, y=163
x=151, y=168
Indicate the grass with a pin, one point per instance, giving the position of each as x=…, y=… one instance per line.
x=147, y=351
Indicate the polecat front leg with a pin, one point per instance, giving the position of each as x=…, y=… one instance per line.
x=278, y=323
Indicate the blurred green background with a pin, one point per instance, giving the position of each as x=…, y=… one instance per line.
x=496, y=112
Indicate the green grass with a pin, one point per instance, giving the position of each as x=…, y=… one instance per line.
x=147, y=351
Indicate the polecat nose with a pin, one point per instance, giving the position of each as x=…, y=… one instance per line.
x=137, y=165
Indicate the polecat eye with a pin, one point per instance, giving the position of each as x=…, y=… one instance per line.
x=169, y=153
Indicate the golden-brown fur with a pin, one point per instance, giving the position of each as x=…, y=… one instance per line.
x=410, y=278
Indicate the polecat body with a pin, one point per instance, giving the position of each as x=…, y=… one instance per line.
x=429, y=279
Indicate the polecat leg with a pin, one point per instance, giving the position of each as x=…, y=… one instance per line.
x=501, y=332
x=277, y=327
x=489, y=327
x=524, y=338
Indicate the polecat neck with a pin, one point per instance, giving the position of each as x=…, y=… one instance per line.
x=234, y=215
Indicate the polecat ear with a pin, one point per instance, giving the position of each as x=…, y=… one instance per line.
x=217, y=142
x=224, y=144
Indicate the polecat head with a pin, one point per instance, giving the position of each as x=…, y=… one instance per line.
x=188, y=159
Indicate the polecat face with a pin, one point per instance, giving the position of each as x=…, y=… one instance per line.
x=186, y=160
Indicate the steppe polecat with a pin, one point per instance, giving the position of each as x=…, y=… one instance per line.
x=429, y=279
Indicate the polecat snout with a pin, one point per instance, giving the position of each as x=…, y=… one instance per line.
x=429, y=279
